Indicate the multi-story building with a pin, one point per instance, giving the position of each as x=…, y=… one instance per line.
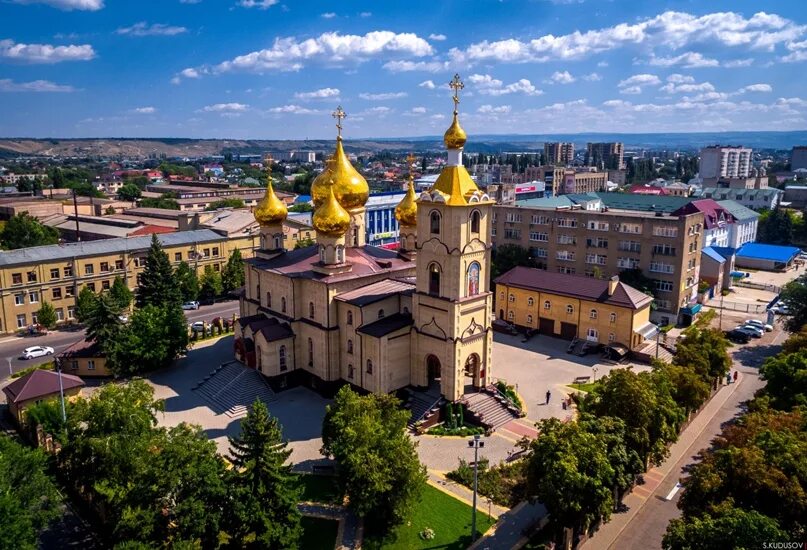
x=755, y=199
x=725, y=162
x=57, y=273
x=717, y=221
x=798, y=158
x=606, y=312
x=559, y=180
x=381, y=225
x=14, y=179
x=585, y=238
x=744, y=228
x=606, y=155
x=558, y=153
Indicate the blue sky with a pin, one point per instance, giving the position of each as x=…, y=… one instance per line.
x=277, y=68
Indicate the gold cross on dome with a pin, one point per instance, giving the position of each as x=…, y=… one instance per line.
x=339, y=114
x=410, y=159
x=456, y=84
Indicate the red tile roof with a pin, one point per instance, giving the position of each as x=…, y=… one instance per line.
x=648, y=190
x=713, y=213
x=149, y=229
x=39, y=384
x=574, y=286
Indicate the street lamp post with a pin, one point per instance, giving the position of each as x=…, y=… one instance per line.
x=595, y=370
x=10, y=370
x=61, y=390
x=477, y=444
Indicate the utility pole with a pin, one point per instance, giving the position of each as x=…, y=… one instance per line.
x=75, y=213
x=721, y=311
x=476, y=443
x=61, y=390
x=658, y=333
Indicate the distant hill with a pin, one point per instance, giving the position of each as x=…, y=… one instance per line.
x=186, y=147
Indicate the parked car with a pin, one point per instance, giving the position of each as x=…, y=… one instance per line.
x=781, y=309
x=191, y=305
x=739, y=336
x=36, y=351
x=198, y=326
x=759, y=324
x=756, y=332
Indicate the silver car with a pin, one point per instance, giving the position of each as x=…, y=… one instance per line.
x=36, y=351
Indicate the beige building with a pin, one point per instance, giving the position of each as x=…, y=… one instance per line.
x=57, y=273
x=85, y=359
x=38, y=386
x=346, y=312
x=558, y=153
x=606, y=155
x=589, y=240
x=601, y=311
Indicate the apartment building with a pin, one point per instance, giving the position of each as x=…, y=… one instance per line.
x=606, y=155
x=559, y=180
x=589, y=239
x=57, y=273
x=798, y=158
x=558, y=153
x=725, y=162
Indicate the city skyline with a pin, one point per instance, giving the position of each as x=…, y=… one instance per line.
x=264, y=69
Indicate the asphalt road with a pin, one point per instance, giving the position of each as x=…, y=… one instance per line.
x=11, y=347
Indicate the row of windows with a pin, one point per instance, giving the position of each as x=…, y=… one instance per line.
x=22, y=318
x=90, y=364
x=435, y=222
x=548, y=307
x=591, y=333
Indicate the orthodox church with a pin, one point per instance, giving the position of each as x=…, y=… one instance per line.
x=342, y=311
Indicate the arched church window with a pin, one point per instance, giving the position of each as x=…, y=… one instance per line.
x=569, y=309
x=310, y=352
x=369, y=366
x=340, y=254
x=322, y=253
x=380, y=313
x=311, y=310
x=475, y=216
x=350, y=346
x=434, y=279
x=269, y=299
x=281, y=358
x=283, y=304
x=530, y=301
x=547, y=305
x=350, y=371
x=510, y=315
x=349, y=317
x=434, y=223
x=277, y=242
x=473, y=278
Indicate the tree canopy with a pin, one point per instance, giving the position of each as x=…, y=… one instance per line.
x=153, y=338
x=157, y=285
x=24, y=231
x=232, y=276
x=129, y=192
x=794, y=294
x=46, y=316
x=225, y=203
x=187, y=282
x=120, y=294
x=508, y=256
x=210, y=284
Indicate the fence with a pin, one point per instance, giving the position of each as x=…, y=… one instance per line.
x=758, y=286
x=738, y=306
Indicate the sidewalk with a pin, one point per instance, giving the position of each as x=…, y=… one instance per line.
x=608, y=533
x=438, y=480
x=509, y=531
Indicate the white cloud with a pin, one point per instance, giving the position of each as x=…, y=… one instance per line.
x=673, y=30
x=328, y=15
x=633, y=90
x=260, y=4
x=418, y=110
x=190, y=73
x=67, y=5
x=294, y=110
x=676, y=78
x=366, y=14
x=564, y=77
x=592, y=77
x=322, y=93
x=44, y=53
x=491, y=110
x=145, y=110
x=332, y=48
x=225, y=108
x=735, y=63
x=616, y=103
x=689, y=60
x=602, y=64
x=410, y=66
x=437, y=37
x=487, y=85
x=190, y=1
x=687, y=88
x=8, y=85
x=383, y=96
x=756, y=88
x=635, y=84
x=428, y=84
x=155, y=29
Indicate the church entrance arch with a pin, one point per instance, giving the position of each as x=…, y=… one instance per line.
x=433, y=369
x=473, y=372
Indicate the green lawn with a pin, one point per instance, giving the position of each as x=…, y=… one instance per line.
x=583, y=387
x=319, y=489
x=448, y=517
x=318, y=533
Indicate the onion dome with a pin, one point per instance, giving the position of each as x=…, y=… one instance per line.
x=271, y=210
x=407, y=210
x=320, y=185
x=455, y=137
x=349, y=187
x=330, y=218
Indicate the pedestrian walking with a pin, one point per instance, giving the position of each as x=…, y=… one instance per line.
x=735, y=377
x=548, y=395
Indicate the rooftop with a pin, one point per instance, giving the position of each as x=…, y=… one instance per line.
x=575, y=286
x=375, y=292
x=740, y=212
x=82, y=348
x=386, y=325
x=771, y=252
x=38, y=384
x=713, y=254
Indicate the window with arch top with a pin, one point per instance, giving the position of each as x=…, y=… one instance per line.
x=613, y=317
x=380, y=313
x=434, y=279
x=547, y=305
x=475, y=219
x=283, y=304
x=530, y=301
x=592, y=314
x=349, y=317
x=369, y=366
x=350, y=346
x=311, y=310
x=473, y=278
x=434, y=223
x=281, y=358
x=269, y=299
x=310, y=352
x=569, y=309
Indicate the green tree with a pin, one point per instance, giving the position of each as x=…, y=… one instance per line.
x=110, y=210
x=786, y=377
x=794, y=294
x=706, y=351
x=85, y=303
x=301, y=207
x=775, y=227
x=796, y=341
x=263, y=489
x=210, y=284
x=25, y=231
x=379, y=469
x=120, y=294
x=166, y=202
x=725, y=527
x=626, y=463
x=568, y=471
x=28, y=498
x=103, y=323
x=187, y=282
x=46, y=316
x=157, y=284
x=508, y=256
x=637, y=279
x=129, y=192
x=225, y=203
x=304, y=243
x=689, y=389
x=232, y=275
x=153, y=338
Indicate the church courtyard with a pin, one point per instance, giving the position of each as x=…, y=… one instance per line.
x=535, y=366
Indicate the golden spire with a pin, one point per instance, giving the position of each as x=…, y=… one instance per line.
x=407, y=210
x=330, y=218
x=339, y=114
x=271, y=209
x=455, y=137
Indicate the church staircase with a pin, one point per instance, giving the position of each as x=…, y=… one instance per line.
x=489, y=407
x=425, y=407
x=232, y=388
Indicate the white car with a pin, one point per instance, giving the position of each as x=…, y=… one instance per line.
x=756, y=332
x=36, y=351
x=781, y=309
x=759, y=324
x=191, y=305
x=198, y=326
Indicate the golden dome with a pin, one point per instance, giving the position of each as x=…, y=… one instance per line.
x=349, y=186
x=320, y=185
x=407, y=210
x=271, y=209
x=330, y=218
x=455, y=137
